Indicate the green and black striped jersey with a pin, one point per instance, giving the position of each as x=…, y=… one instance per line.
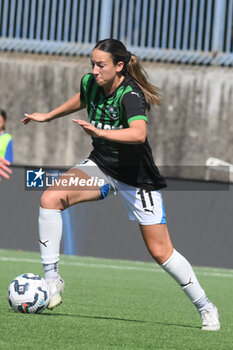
x=132, y=164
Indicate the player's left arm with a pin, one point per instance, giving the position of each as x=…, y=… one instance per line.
x=135, y=133
x=134, y=107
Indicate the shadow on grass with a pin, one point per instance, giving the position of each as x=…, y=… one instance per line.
x=121, y=319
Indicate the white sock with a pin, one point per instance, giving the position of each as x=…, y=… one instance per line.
x=181, y=270
x=51, y=271
x=203, y=303
x=50, y=233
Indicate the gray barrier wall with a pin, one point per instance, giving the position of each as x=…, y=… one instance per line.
x=194, y=123
x=199, y=218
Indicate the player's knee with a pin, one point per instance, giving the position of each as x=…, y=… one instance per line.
x=50, y=200
x=160, y=253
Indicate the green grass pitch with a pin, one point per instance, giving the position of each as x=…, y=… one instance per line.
x=112, y=304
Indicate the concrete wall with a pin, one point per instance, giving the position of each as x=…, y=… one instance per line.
x=194, y=123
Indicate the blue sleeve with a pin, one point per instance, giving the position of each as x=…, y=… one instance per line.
x=9, y=151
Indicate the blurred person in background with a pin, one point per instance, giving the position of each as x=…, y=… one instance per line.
x=6, y=143
x=116, y=95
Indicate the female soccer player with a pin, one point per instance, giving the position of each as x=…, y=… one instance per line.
x=116, y=95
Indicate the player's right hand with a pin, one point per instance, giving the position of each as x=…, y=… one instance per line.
x=37, y=117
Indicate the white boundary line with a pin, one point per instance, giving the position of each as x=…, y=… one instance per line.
x=156, y=269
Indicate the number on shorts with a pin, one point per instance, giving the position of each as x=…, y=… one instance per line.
x=145, y=196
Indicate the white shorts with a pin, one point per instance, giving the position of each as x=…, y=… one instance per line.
x=145, y=207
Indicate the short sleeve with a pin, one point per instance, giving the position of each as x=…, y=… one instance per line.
x=82, y=94
x=9, y=151
x=134, y=106
x=87, y=82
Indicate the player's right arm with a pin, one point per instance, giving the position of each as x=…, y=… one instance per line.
x=74, y=104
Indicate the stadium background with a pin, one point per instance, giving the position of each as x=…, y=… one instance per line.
x=187, y=48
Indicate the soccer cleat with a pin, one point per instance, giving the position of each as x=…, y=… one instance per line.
x=56, y=288
x=210, y=319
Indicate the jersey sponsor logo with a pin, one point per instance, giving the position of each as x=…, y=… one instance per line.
x=106, y=126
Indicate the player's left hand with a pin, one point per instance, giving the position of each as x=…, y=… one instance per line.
x=88, y=128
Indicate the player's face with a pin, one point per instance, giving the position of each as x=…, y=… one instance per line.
x=103, y=68
x=2, y=123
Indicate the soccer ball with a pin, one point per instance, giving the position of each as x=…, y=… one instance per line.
x=28, y=293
